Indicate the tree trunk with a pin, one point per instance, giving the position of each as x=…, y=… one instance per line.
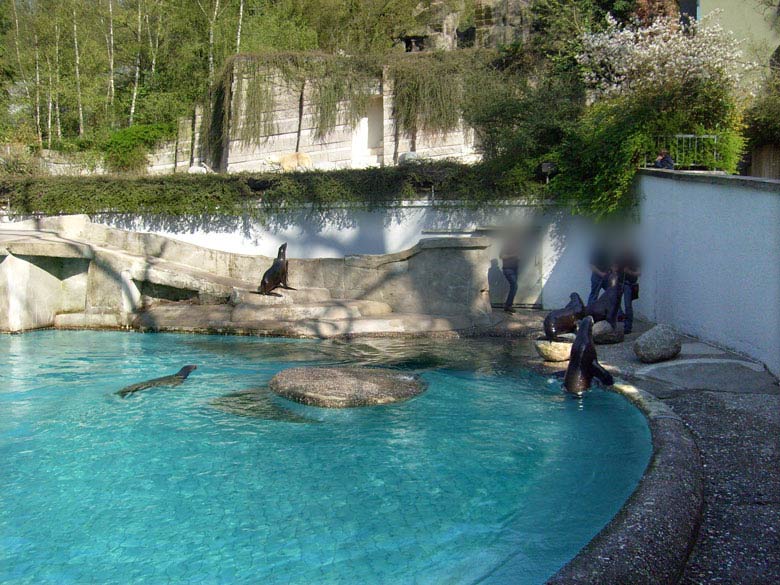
x=212, y=25
x=38, y=94
x=57, y=80
x=137, y=67
x=154, y=44
x=111, y=84
x=49, y=104
x=18, y=51
x=78, y=74
x=240, y=21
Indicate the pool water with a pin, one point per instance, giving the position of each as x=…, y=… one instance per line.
x=493, y=475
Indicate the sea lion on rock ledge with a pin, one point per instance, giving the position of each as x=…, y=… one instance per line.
x=276, y=276
x=173, y=380
x=564, y=320
x=606, y=307
x=583, y=362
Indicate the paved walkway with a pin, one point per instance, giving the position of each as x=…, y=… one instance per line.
x=732, y=406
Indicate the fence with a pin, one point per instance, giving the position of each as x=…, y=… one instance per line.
x=689, y=151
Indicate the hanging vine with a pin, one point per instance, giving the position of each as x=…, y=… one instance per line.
x=429, y=91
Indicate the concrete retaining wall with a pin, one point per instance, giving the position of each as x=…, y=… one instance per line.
x=712, y=259
x=560, y=258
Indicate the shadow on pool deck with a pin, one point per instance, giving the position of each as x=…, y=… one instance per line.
x=731, y=405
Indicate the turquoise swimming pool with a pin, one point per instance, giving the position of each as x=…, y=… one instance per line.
x=491, y=476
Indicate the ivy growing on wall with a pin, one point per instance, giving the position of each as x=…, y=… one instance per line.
x=429, y=91
x=252, y=194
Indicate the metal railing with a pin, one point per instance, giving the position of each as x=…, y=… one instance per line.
x=689, y=151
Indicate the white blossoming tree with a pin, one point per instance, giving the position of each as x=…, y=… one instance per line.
x=658, y=55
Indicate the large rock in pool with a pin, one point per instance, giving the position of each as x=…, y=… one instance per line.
x=657, y=345
x=555, y=351
x=346, y=387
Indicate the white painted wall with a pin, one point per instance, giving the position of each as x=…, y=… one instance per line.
x=711, y=249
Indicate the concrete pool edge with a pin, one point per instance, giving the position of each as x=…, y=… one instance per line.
x=650, y=539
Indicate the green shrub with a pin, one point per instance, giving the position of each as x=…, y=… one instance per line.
x=763, y=116
x=253, y=194
x=127, y=149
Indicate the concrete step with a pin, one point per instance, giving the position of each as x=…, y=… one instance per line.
x=220, y=319
x=333, y=309
x=244, y=296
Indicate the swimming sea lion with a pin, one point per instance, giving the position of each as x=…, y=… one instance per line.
x=606, y=307
x=174, y=380
x=564, y=320
x=583, y=362
x=276, y=276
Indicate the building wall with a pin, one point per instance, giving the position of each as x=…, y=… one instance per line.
x=748, y=20
x=711, y=248
x=372, y=142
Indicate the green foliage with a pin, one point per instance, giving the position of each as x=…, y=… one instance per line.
x=763, y=116
x=599, y=158
x=255, y=195
x=127, y=149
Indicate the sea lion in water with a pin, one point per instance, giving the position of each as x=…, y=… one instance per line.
x=276, y=276
x=583, y=362
x=564, y=320
x=606, y=307
x=173, y=380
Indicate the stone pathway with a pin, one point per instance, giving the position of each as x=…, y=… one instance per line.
x=732, y=407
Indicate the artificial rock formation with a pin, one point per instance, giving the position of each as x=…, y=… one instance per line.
x=346, y=387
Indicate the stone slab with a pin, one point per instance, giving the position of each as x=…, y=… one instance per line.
x=346, y=387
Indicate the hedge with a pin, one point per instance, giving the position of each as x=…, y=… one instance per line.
x=254, y=194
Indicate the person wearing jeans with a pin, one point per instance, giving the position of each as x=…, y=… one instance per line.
x=510, y=258
x=599, y=267
x=629, y=266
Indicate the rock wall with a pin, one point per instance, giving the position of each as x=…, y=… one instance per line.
x=71, y=271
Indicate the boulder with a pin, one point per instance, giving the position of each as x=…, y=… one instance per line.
x=555, y=351
x=603, y=334
x=659, y=344
x=335, y=387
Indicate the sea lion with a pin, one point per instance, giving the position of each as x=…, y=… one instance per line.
x=173, y=380
x=607, y=306
x=564, y=320
x=276, y=276
x=583, y=362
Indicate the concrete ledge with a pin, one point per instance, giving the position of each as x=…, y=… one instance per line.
x=758, y=183
x=651, y=537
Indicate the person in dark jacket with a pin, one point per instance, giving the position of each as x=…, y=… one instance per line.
x=664, y=161
x=599, y=268
x=510, y=262
x=630, y=269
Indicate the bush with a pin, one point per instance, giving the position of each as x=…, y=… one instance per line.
x=255, y=194
x=763, y=116
x=127, y=149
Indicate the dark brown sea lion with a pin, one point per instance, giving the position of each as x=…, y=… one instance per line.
x=564, y=320
x=583, y=362
x=173, y=380
x=276, y=276
x=606, y=307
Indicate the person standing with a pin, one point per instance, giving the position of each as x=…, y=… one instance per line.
x=599, y=269
x=510, y=263
x=629, y=266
